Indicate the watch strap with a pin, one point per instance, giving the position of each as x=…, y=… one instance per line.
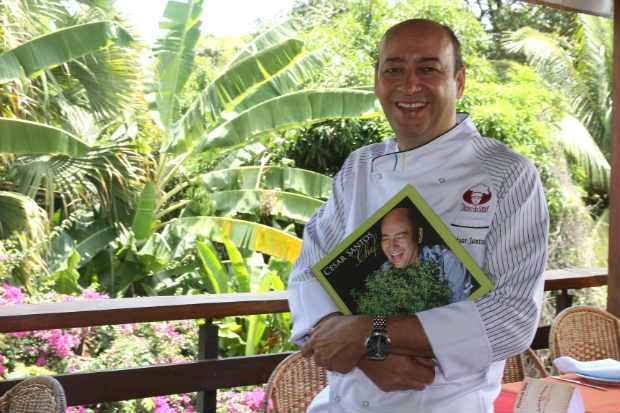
x=379, y=323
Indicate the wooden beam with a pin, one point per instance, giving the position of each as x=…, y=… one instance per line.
x=27, y=317
x=613, y=289
x=575, y=278
x=137, y=383
x=594, y=7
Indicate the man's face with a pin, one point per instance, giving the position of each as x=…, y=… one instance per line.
x=416, y=84
x=398, y=240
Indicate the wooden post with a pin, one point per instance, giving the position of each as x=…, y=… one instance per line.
x=208, y=347
x=613, y=279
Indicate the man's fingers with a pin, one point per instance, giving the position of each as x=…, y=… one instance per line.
x=425, y=361
x=425, y=370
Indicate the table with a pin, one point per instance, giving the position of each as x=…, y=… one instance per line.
x=595, y=401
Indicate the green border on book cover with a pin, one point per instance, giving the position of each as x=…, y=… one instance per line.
x=438, y=225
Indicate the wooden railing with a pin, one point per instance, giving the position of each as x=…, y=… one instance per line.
x=209, y=373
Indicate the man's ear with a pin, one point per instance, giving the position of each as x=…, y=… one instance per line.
x=460, y=82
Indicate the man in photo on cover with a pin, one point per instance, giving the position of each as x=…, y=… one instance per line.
x=401, y=242
x=449, y=358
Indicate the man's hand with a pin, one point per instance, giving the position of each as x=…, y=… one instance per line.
x=337, y=342
x=400, y=372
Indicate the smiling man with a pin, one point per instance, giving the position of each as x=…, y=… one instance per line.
x=400, y=238
x=450, y=358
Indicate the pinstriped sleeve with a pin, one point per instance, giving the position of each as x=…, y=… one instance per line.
x=467, y=337
x=308, y=300
x=515, y=258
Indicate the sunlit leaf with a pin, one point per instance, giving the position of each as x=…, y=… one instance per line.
x=281, y=178
x=25, y=137
x=59, y=47
x=292, y=110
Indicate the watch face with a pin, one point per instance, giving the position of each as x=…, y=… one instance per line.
x=378, y=346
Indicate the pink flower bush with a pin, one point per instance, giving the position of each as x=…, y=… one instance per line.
x=11, y=295
x=3, y=368
x=242, y=402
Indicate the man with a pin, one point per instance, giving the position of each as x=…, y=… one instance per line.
x=450, y=358
x=400, y=238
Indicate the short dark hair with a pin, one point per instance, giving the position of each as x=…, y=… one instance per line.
x=456, y=44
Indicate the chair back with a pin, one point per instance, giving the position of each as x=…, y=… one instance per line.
x=585, y=333
x=526, y=364
x=41, y=394
x=293, y=384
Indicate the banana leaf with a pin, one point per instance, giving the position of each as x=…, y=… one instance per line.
x=240, y=270
x=288, y=80
x=21, y=213
x=56, y=48
x=292, y=110
x=24, y=137
x=94, y=244
x=234, y=84
x=256, y=323
x=175, y=53
x=265, y=40
x=144, y=218
x=279, y=204
x=281, y=178
x=64, y=245
x=213, y=268
x=180, y=234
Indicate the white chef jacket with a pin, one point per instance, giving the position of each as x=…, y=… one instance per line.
x=504, y=229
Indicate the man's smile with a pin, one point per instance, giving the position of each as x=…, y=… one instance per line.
x=411, y=106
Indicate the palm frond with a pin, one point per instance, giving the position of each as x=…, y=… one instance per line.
x=103, y=178
x=579, y=145
x=594, y=64
x=544, y=52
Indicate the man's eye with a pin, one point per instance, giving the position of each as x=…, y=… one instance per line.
x=392, y=70
x=429, y=69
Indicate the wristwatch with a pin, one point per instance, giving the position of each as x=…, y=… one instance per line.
x=378, y=342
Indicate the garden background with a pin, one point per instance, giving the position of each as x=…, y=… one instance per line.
x=190, y=167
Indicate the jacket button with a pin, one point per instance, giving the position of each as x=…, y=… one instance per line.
x=365, y=403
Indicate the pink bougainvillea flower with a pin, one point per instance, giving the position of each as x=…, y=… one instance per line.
x=3, y=368
x=41, y=360
x=10, y=294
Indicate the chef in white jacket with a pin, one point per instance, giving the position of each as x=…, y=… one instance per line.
x=450, y=358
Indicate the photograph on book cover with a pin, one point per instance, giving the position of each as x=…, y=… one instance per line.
x=401, y=260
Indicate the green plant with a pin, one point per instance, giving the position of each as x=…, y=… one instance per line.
x=393, y=291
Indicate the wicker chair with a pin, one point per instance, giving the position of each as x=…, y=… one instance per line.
x=293, y=384
x=41, y=394
x=585, y=334
x=523, y=365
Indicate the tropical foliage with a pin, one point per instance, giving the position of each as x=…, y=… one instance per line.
x=581, y=67
x=195, y=171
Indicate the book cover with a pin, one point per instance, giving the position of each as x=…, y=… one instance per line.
x=401, y=260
